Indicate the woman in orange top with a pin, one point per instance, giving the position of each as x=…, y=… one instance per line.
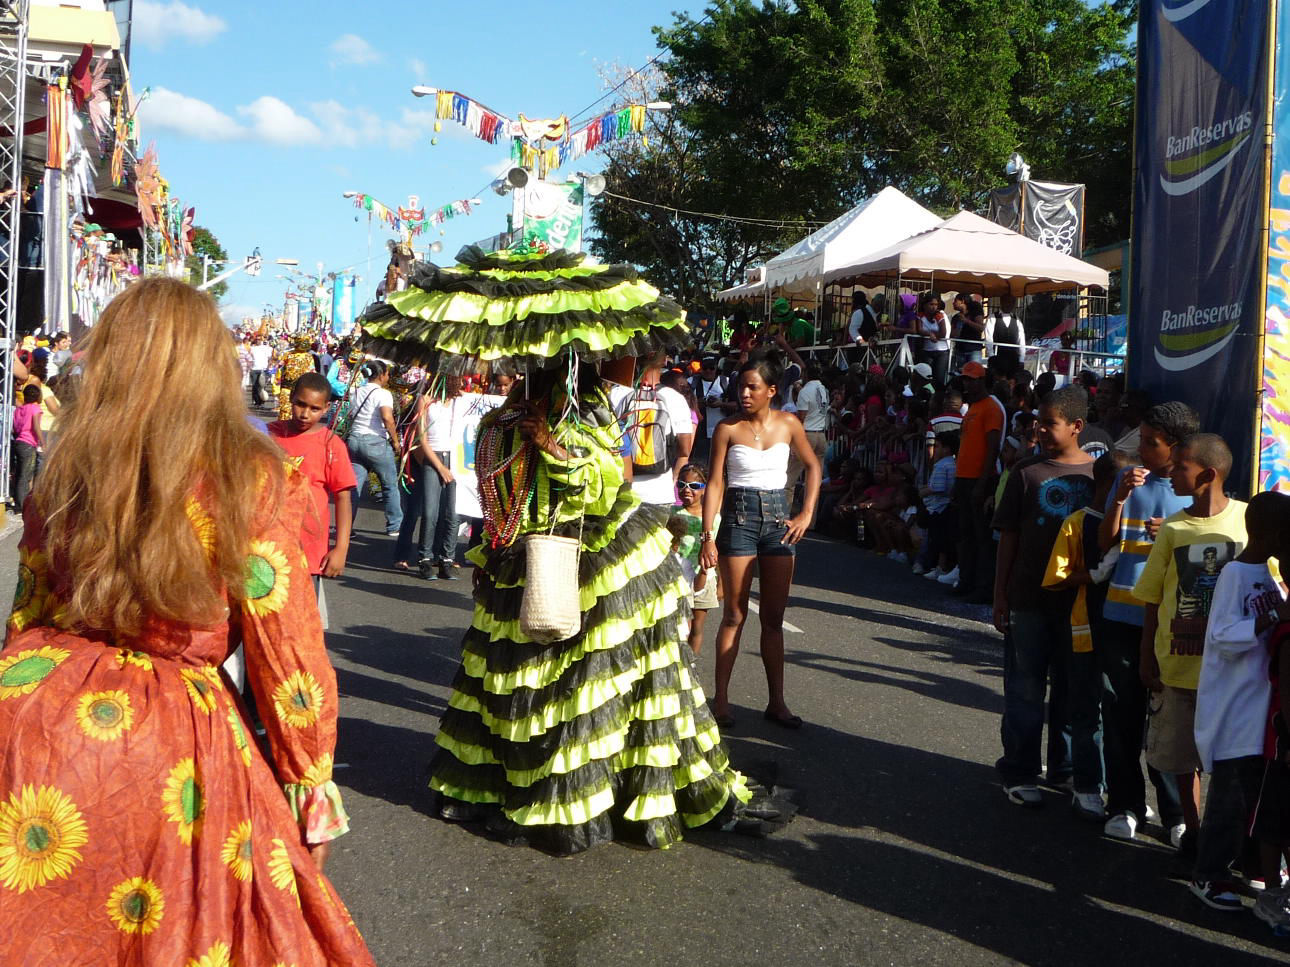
x=139, y=822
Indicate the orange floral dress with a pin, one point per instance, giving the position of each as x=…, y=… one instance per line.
x=139, y=821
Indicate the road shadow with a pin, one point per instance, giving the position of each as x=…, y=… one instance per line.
x=929, y=838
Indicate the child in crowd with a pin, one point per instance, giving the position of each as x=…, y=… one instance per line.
x=1231, y=699
x=1076, y=563
x=27, y=441
x=1270, y=819
x=686, y=526
x=1142, y=497
x=1036, y=621
x=937, y=559
x=322, y=457
x=1177, y=586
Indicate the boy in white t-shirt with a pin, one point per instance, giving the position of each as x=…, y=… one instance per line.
x=1232, y=697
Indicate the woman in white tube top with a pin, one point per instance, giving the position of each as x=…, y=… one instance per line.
x=749, y=467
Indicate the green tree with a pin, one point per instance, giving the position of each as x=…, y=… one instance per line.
x=205, y=243
x=790, y=112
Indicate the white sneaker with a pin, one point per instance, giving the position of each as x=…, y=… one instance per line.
x=919, y=569
x=1089, y=805
x=1024, y=795
x=898, y=557
x=1149, y=813
x=1176, y=835
x=934, y=574
x=1121, y=826
x=950, y=577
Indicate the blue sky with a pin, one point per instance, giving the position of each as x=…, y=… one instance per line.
x=264, y=113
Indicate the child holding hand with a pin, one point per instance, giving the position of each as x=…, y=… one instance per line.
x=686, y=525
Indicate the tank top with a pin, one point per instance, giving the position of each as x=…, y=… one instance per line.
x=754, y=469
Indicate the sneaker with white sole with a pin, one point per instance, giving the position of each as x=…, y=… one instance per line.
x=950, y=577
x=919, y=569
x=1271, y=907
x=1220, y=895
x=1176, y=835
x=1089, y=805
x=1121, y=826
x=934, y=574
x=898, y=557
x=1024, y=794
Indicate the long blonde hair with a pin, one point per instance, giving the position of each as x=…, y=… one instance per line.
x=157, y=420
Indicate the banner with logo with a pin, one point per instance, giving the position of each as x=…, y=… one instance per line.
x=1198, y=213
x=468, y=411
x=553, y=213
x=1274, y=430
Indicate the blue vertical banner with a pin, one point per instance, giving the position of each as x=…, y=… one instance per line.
x=342, y=304
x=1198, y=213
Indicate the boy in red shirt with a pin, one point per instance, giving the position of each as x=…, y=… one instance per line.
x=322, y=457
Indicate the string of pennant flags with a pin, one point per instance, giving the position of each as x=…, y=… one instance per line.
x=545, y=141
x=414, y=220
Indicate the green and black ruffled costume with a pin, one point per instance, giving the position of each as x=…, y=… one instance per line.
x=605, y=734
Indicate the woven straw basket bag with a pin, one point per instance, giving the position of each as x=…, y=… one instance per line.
x=551, y=610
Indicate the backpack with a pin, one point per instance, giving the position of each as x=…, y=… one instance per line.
x=649, y=439
x=347, y=414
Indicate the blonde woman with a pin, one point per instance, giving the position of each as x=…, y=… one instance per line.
x=139, y=822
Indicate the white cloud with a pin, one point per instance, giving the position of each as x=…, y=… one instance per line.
x=233, y=314
x=353, y=49
x=156, y=23
x=277, y=122
x=269, y=119
x=418, y=68
x=167, y=110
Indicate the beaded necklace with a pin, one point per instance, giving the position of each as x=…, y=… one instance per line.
x=503, y=513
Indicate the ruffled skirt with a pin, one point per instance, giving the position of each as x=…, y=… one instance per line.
x=604, y=735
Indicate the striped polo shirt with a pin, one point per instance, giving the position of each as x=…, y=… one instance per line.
x=1155, y=498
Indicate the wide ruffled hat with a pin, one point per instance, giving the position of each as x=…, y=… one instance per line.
x=532, y=309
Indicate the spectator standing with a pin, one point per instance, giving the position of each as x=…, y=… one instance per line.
x=373, y=442
x=27, y=442
x=813, y=410
x=1177, y=587
x=980, y=438
x=261, y=358
x=942, y=528
x=659, y=431
x=1034, y=620
x=1231, y=701
x=1005, y=339
x=864, y=322
x=438, y=489
x=934, y=327
x=1143, y=496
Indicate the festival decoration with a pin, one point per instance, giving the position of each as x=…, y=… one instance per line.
x=541, y=144
x=412, y=219
x=526, y=305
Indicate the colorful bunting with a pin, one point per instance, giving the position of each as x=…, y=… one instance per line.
x=414, y=221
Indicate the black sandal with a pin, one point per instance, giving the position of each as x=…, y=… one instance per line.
x=792, y=722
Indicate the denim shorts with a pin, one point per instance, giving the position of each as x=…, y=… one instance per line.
x=754, y=522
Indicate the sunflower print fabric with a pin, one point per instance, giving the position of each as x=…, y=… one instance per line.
x=149, y=790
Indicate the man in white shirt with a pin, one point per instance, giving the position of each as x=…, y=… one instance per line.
x=373, y=442
x=710, y=391
x=261, y=356
x=813, y=410
x=659, y=488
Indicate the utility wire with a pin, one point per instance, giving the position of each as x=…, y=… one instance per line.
x=630, y=74
x=762, y=222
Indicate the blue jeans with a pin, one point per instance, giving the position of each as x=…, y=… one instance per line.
x=1035, y=654
x=370, y=452
x=434, y=503
x=1084, y=669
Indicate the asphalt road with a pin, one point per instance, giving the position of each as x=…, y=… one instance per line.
x=905, y=852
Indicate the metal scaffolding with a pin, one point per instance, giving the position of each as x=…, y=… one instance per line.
x=13, y=88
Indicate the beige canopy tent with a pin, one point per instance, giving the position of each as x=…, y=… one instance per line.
x=829, y=252
x=970, y=254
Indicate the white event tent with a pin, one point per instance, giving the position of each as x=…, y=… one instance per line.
x=971, y=254
x=830, y=252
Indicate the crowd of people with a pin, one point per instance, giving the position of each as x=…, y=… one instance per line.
x=1140, y=605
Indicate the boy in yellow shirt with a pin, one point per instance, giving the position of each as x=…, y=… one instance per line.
x=1177, y=586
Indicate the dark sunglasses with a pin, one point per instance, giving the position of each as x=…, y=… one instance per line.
x=691, y=485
